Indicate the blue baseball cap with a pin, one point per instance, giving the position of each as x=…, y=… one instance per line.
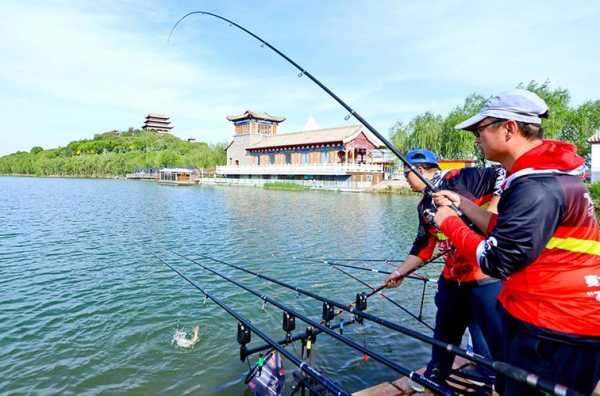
x=421, y=156
x=518, y=105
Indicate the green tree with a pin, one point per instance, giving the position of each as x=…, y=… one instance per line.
x=168, y=158
x=436, y=132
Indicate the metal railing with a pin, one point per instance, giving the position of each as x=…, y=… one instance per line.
x=299, y=169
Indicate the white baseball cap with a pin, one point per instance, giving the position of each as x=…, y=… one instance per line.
x=517, y=104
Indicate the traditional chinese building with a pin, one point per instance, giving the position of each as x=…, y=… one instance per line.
x=157, y=122
x=343, y=156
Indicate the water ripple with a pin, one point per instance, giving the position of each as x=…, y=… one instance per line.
x=87, y=308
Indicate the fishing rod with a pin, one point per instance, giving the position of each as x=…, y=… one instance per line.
x=335, y=264
x=308, y=370
x=430, y=188
x=286, y=285
x=416, y=377
x=419, y=277
x=395, y=303
x=424, y=263
x=506, y=369
x=297, y=337
x=374, y=290
x=357, y=260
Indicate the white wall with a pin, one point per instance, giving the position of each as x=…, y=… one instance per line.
x=595, y=162
x=237, y=150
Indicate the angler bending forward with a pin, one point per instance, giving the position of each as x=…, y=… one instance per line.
x=464, y=298
x=545, y=242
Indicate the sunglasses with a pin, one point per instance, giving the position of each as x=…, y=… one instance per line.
x=477, y=131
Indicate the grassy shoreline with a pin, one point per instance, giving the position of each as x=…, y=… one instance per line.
x=285, y=186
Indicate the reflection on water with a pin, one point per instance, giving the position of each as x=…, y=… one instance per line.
x=85, y=307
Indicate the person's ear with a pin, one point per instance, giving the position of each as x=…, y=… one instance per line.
x=510, y=128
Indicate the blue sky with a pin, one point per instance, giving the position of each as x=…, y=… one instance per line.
x=71, y=69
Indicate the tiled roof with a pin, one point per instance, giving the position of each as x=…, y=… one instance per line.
x=157, y=115
x=327, y=135
x=153, y=125
x=257, y=115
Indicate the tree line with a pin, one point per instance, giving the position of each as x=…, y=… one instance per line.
x=114, y=153
x=436, y=132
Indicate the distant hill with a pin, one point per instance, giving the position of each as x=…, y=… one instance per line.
x=114, y=153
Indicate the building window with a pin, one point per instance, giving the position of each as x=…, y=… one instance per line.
x=288, y=158
x=271, y=158
x=305, y=157
x=324, y=157
x=258, y=160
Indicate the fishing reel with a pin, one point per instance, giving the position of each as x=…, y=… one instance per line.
x=289, y=324
x=328, y=313
x=244, y=335
x=430, y=216
x=361, y=305
x=310, y=338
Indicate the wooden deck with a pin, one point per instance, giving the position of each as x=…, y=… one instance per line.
x=401, y=387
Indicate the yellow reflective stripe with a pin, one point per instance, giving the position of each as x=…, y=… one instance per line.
x=440, y=236
x=575, y=245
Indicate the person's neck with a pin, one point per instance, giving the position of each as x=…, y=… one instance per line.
x=517, y=151
x=427, y=175
x=430, y=173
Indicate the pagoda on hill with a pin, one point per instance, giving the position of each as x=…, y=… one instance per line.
x=157, y=122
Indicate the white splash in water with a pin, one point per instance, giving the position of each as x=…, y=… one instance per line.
x=181, y=337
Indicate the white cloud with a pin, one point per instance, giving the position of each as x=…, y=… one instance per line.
x=73, y=69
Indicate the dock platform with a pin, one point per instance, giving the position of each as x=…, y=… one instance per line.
x=401, y=387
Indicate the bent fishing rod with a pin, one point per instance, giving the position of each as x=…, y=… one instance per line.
x=416, y=377
x=506, y=369
x=303, y=72
x=308, y=370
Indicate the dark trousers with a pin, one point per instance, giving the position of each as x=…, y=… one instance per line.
x=574, y=364
x=458, y=305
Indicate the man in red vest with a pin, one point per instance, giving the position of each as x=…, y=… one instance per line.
x=544, y=242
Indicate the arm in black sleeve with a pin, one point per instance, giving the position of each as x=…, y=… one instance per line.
x=422, y=241
x=472, y=183
x=529, y=213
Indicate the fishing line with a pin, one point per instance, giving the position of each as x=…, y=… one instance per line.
x=307, y=369
x=429, y=189
x=395, y=303
x=364, y=260
x=506, y=369
x=336, y=264
x=418, y=378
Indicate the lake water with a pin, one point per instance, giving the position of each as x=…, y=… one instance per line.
x=85, y=307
